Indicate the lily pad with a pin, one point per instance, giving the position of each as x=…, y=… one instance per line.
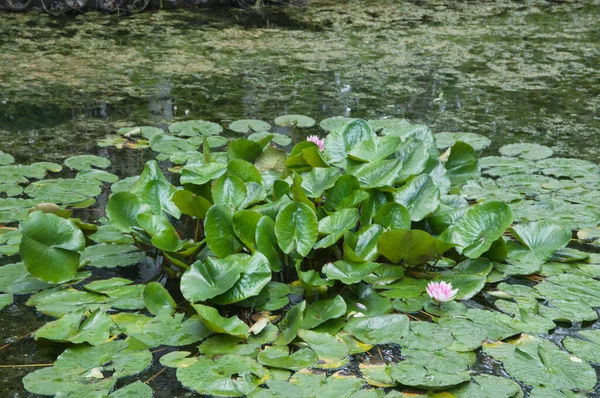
x=295, y=121
x=527, y=151
x=538, y=362
x=323, y=310
x=109, y=255
x=85, y=162
x=382, y=329
x=49, y=247
x=280, y=357
x=477, y=141
x=193, y=128
x=218, y=324
x=247, y=125
x=229, y=376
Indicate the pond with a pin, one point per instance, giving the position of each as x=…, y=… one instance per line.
x=511, y=71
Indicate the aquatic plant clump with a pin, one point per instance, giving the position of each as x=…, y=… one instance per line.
x=275, y=269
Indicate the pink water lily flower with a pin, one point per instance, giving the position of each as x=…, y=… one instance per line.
x=441, y=291
x=319, y=141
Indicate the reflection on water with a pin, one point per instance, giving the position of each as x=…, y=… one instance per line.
x=513, y=71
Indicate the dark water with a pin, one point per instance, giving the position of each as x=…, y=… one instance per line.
x=513, y=71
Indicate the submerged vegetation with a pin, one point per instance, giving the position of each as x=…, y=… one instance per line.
x=309, y=272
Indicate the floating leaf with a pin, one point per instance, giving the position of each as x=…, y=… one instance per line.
x=348, y=272
x=296, y=228
x=220, y=236
x=177, y=359
x=420, y=196
x=255, y=274
x=323, y=310
x=341, y=141
x=49, y=247
x=69, y=328
x=542, y=238
x=586, y=347
x=488, y=386
x=193, y=128
x=161, y=330
x=247, y=125
x=295, y=121
x=414, y=247
x=229, y=376
x=382, y=329
x=332, y=352
x=123, y=208
x=462, y=164
x=477, y=141
x=538, y=362
x=108, y=255
x=85, y=162
x=438, y=370
x=72, y=368
x=527, y=151
x=216, y=323
x=476, y=231
x=158, y=300
x=290, y=324
x=5, y=300
x=279, y=357
x=61, y=190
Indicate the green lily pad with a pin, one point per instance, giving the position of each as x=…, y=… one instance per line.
x=193, y=128
x=538, y=362
x=296, y=228
x=348, y=272
x=247, y=125
x=5, y=300
x=6, y=159
x=61, y=190
x=158, y=300
x=76, y=369
x=542, y=238
x=227, y=345
x=229, y=376
x=462, y=164
x=295, y=121
x=420, y=196
x=446, y=140
x=290, y=324
x=341, y=141
x=323, y=310
x=332, y=352
x=488, y=386
x=49, y=247
x=94, y=330
x=109, y=255
x=100, y=175
x=335, y=225
x=85, y=162
x=218, y=324
x=178, y=359
x=527, y=151
x=427, y=336
x=204, y=280
x=476, y=231
x=280, y=357
x=435, y=371
x=255, y=274
x=565, y=167
x=161, y=330
x=586, y=347
x=382, y=329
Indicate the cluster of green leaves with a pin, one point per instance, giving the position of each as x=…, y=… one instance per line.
x=296, y=261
